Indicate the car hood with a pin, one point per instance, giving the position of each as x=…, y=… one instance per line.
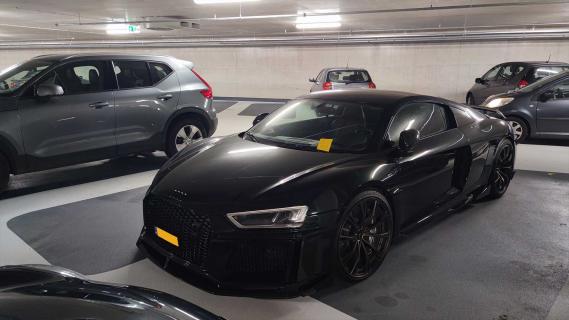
x=232, y=169
x=48, y=292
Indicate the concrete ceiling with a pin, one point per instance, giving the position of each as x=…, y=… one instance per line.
x=33, y=20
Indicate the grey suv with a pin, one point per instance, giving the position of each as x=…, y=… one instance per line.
x=60, y=110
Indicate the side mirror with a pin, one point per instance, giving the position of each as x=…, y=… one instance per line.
x=260, y=118
x=312, y=80
x=49, y=90
x=408, y=139
x=546, y=96
x=479, y=81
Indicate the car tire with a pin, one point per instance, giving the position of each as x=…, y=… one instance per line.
x=502, y=170
x=4, y=172
x=182, y=133
x=364, y=235
x=521, y=130
x=470, y=99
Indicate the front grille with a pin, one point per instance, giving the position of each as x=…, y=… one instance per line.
x=192, y=229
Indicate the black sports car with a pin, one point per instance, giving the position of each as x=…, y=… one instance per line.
x=322, y=184
x=49, y=292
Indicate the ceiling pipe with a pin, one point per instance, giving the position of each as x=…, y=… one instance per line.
x=306, y=40
x=358, y=12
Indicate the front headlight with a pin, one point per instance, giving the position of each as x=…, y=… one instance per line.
x=497, y=102
x=291, y=217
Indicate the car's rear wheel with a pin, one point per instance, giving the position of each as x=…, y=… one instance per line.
x=364, y=236
x=183, y=133
x=520, y=127
x=470, y=99
x=503, y=169
x=4, y=172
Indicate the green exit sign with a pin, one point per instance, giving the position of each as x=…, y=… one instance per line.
x=133, y=28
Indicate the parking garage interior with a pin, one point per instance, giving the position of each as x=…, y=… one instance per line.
x=504, y=259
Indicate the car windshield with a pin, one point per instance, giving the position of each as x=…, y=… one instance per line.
x=348, y=76
x=319, y=125
x=16, y=76
x=543, y=82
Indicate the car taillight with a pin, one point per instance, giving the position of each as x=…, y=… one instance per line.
x=327, y=86
x=207, y=93
x=522, y=83
x=372, y=85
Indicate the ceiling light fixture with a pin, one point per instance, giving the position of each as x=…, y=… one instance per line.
x=221, y=1
x=314, y=21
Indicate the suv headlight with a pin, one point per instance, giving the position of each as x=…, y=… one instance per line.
x=291, y=217
x=497, y=102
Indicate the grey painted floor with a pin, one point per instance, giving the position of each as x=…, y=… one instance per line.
x=505, y=259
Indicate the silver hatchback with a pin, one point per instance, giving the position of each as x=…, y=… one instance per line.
x=58, y=110
x=342, y=78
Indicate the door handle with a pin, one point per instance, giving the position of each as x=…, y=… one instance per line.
x=165, y=97
x=99, y=105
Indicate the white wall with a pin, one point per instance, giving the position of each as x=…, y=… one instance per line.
x=446, y=70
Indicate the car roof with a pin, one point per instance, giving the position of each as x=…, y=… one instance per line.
x=372, y=97
x=538, y=63
x=65, y=57
x=344, y=68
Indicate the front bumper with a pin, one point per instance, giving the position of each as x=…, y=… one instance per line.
x=242, y=262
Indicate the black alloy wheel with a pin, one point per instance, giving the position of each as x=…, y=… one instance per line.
x=364, y=236
x=503, y=169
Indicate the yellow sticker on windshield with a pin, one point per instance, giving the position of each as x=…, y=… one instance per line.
x=324, y=145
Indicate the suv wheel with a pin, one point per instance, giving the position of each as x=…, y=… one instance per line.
x=183, y=133
x=4, y=172
x=520, y=129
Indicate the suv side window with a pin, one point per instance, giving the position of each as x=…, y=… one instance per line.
x=493, y=73
x=132, y=74
x=159, y=71
x=83, y=77
x=560, y=90
x=428, y=118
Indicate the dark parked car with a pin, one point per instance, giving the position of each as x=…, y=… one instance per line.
x=540, y=110
x=48, y=292
x=511, y=76
x=59, y=110
x=322, y=184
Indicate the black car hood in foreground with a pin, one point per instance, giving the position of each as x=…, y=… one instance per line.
x=47, y=292
x=233, y=169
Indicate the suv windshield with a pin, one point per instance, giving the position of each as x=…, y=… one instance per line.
x=348, y=76
x=15, y=76
x=312, y=124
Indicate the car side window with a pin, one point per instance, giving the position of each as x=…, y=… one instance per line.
x=493, y=73
x=511, y=70
x=428, y=118
x=462, y=117
x=159, y=71
x=561, y=90
x=132, y=74
x=83, y=77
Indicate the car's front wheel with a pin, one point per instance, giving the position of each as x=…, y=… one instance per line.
x=364, y=236
x=4, y=172
x=182, y=133
x=503, y=169
x=520, y=129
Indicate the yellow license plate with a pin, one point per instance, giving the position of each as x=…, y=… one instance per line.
x=167, y=236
